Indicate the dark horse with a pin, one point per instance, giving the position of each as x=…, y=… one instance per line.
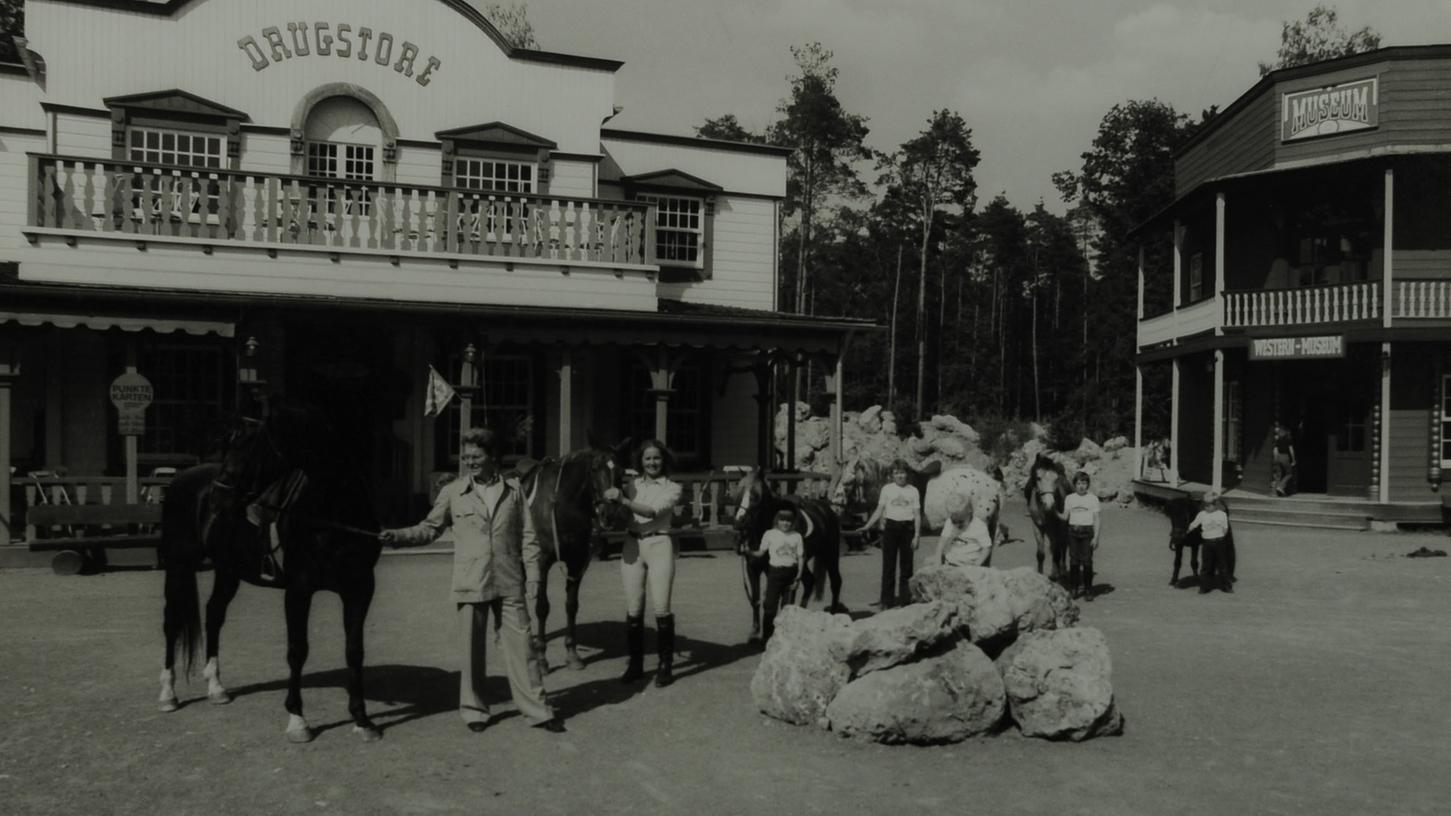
x=566, y=499
x=290, y=468
x=1045, y=490
x=756, y=508
x=1181, y=512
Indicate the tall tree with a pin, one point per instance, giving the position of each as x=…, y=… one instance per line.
x=826, y=142
x=727, y=128
x=513, y=22
x=1127, y=176
x=1319, y=37
x=932, y=170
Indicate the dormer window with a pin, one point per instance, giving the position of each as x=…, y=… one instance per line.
x=175, y=147
x=494, y=175
x=679, y=230
x=495, y=158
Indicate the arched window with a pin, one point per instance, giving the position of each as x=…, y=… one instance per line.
x=344, y=141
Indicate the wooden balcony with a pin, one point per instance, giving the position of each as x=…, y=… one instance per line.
x=1421, y=299
x=79, y=198
x=1340, y=303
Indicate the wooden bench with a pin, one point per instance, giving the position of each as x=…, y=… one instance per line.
x=89, y=530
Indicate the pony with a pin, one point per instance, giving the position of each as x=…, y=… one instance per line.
x=1180, y=512
x=290, y=469
x=756, y=508
x=566, y=501
x=1045, y=489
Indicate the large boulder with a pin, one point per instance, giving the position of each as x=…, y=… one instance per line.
x=1088, y=451
x=899, y=635
x=952, y=425
x=870, y=420
x=985, y=491
x=1058, y=684
x=943, y=698
x=996, y=606
x=801, y=672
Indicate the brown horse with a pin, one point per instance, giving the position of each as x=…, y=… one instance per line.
x=1045, y=490
x=567, y=505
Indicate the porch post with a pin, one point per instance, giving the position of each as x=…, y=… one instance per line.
x=662, y=376
x=1219, y=208
x=833, y=388
x=1139, y=420
x=1140, y=311
x=566, y=401
x=1174, y=419
x=1216, y=479
x=795, y=379
x=9, y=372
x=1385, y=423
x=765, y=433
x=1178, y=261
x=1388, y=254
x=467, y=383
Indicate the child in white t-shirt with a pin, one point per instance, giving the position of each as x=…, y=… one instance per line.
x=1081, y=512
x=899, y=511
x=965, y=540
x=1213, y=525
x=787, y=553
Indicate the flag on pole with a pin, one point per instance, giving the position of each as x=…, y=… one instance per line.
x=437, y=395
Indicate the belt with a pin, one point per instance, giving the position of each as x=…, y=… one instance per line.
x=655, y=534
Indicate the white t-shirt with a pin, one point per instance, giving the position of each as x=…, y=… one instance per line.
x=966, y=547
x=1081, y=510
x=899, y=503
x=660, y=495
x=1213, y=523
x=785, y=549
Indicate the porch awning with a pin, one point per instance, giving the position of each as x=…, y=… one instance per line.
x=127, y=323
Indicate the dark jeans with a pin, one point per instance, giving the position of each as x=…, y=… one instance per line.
x=778, y=584
x=1217, y=565
x=1080, y=547
x=896, y=557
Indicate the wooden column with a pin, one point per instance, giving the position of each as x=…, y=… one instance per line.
x=1388, y=254
x=833, y=388
x=1139, y=419
x=662, y=365
x=467, y=385
x=9, y=373
x=1174, y=418
x=566, y=402
x=1219, y=266
x=794, y=377
x=1216, y=462
x=765, y=432
x=1178, y=262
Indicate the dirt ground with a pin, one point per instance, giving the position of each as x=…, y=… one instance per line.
x=1318, y=687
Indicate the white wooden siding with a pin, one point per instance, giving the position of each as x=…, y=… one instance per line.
x=15, y=180
x=20, y=102
x=266, y=153
x=93, y=53
x=574, y=179
x=366, y=276
x=77, y=135
x=736, y=171
x=1432, y=264
x=742, y=257
x=420, y=165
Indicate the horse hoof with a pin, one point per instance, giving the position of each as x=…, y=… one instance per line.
x=219, y=698
x=574, y=661
x=168, y=705
x=301, y=735
x=369, y=733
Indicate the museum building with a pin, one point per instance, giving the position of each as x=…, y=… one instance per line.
x=1302, y=276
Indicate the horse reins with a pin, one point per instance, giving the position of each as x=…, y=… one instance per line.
x=320, y=522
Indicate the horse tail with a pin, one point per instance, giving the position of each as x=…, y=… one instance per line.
x=181, y=531
x=828, y=555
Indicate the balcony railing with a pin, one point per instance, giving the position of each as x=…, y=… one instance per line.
x=1309, y=305
x=1421, y=299
x=139, y=201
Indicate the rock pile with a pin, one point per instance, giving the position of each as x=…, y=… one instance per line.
x=979, y=649
x=873, y=435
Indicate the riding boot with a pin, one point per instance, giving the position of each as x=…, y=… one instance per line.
x=665, y=635
x=1087, y=583
x=635, y=644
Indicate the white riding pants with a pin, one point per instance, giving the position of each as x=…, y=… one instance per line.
x=649, y=560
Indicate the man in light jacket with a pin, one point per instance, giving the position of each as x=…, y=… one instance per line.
x=493, y=541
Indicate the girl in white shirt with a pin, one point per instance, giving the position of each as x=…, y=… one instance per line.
x=648, y=560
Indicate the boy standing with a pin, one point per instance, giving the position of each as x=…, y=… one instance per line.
x=787, y=552
x=1213, y=524
x=899, y=510
x=1081, y=512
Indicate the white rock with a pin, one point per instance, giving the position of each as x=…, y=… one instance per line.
x=946, y=698
x=1059, y=684
x=799, y=674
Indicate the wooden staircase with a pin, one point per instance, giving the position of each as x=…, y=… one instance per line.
x=1313, y=511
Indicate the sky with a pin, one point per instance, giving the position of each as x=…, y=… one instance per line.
x=1032, y=78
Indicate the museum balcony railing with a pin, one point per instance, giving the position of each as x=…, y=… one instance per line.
x=135, y=201
x=1420, y=299
x=1309, y=305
